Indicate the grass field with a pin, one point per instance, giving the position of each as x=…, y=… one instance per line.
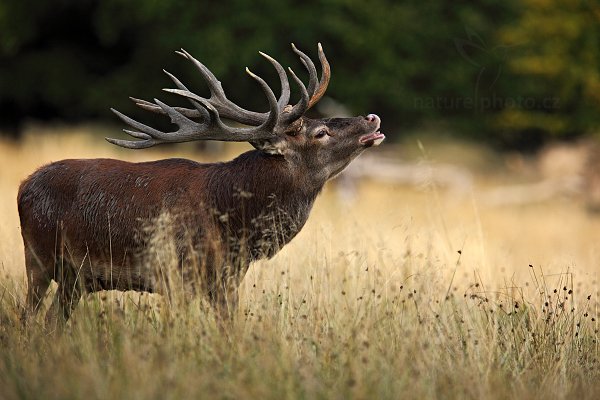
x=406, y=293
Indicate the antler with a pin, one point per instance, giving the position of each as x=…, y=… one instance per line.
x=315, y=92
x=211, y=127
x=209, y=111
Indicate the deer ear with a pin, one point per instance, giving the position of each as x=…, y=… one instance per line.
x=270, y=146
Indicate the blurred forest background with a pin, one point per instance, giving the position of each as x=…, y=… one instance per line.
x=513, y=74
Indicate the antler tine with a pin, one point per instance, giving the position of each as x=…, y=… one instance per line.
x=300, y=108
x=271, y=118
x=219, y=100
x=148, y=106
x=219, y=93
x=325, y=77
x=192, y=113
x=148, y=134
x=310, y=66
x=199, y=110
x=285, y=84
x=211, y=127
x=314, y=92
x=216, y=128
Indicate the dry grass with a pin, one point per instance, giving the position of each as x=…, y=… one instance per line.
x=371, y=300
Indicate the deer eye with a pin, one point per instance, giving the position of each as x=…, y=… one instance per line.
x=321, y=134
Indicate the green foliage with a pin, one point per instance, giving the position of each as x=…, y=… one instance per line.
x=556, y=67
x=411, y=62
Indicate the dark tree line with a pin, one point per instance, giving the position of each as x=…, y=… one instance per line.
x=513, y=73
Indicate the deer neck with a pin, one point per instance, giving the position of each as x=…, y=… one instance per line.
x=261, y=199
x=260, y=176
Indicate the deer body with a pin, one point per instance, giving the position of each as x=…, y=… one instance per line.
x=111, y=203
x=89, y=224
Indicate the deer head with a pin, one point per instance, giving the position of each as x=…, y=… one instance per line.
x=319, y=147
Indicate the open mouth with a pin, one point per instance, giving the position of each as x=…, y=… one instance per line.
x=372, y=139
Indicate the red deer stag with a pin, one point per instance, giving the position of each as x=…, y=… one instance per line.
x=84, y=222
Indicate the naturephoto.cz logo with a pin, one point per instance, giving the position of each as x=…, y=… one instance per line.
x=489, y=62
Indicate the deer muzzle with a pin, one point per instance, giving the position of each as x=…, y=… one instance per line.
x=376, y=137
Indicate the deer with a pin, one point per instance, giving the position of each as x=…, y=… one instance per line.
x=84, y=221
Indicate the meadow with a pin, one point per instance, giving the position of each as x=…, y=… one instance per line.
x=403, y=293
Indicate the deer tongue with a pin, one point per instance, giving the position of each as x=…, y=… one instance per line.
x=372, y=139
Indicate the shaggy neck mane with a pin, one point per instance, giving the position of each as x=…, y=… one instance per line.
x=259, y=199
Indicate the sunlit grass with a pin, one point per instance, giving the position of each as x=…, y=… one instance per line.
x=403, y=294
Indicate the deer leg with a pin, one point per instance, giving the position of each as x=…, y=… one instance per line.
x=223, y=295
x=36, y=290
x=69, y=292
x=37, y=284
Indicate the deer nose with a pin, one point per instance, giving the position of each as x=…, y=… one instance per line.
x=373, y=118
